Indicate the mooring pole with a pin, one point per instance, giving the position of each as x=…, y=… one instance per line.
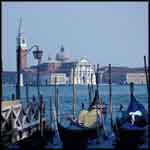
x=74, y=94
x=98, y=80
x=110, y=95
x=92, y=90
x=50, y=111
x=27, y=93
x=1, y=71
x=147, y=74
x=90, y=96
x=149, y=82
x=56, y=102
x=97, y=88
x=38, y=77
x=97, y=76
x=41, y=115
x=149, y=94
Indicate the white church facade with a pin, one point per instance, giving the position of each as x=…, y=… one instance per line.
x=83, y=73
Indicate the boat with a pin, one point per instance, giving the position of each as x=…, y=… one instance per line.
x=75, y=136
x=87, y=126
x=130, y=127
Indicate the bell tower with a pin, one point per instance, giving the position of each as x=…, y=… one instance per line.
x=22, y=42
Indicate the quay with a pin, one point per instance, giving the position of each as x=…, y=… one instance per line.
x=20, y=121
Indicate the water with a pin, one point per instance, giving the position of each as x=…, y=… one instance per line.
x=120, y=95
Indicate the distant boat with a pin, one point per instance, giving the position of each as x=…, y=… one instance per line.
x=130, y=128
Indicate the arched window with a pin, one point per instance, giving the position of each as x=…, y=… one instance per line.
x=23, y=41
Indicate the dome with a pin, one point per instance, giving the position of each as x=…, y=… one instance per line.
x=61, y=55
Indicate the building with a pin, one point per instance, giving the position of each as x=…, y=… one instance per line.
x=84, y=73
x=136, y=78
x=21, y=41
x=118, y=74
x=62, y=67
x=66, y=67
x=61, y=78
x=51, y=66
x=61, y=55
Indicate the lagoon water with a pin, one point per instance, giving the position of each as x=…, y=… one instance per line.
x=120, y=95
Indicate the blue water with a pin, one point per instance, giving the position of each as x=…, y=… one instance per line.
x=120, y=95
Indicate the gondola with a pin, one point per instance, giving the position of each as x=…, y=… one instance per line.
x=88, y=126
x=130, y=127
x=76, y=135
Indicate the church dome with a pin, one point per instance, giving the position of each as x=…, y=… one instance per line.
x=61, y=55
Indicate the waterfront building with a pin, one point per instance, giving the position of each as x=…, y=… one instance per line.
x=84, y=72
x=51, y=66
x=61, y=78
x=136, y=78
x=66, y=67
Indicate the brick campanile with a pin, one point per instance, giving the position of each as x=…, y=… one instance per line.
x=23, y=44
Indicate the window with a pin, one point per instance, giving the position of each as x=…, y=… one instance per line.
x=23, y=41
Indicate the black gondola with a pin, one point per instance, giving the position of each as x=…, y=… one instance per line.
x=76, y=135
x=131, y=126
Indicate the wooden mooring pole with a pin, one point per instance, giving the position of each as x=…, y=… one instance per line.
x=27, y=93
x=51, y=111
x=92, y=88
x=97, y=77
x=89, y=92
x=41, y=115
x=74, y=95
x=55, y=89
x=56, y=100
x=1, y=71
x=110, y=95
x=97, y=88
x=147, y=74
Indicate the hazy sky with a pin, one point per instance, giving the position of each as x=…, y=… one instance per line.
x=104, y=32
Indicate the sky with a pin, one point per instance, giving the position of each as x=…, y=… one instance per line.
x=113, y=33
